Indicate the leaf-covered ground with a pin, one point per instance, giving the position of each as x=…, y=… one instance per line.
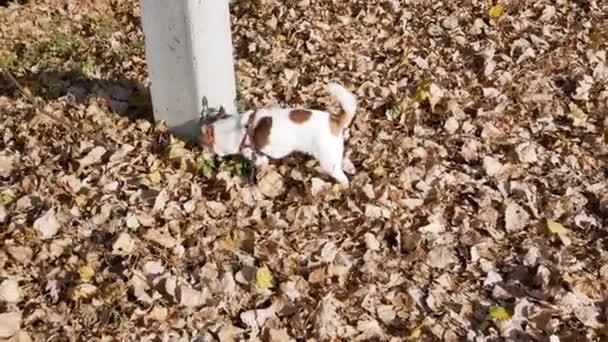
x=478, y=207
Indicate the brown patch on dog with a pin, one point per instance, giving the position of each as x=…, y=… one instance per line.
x=337, y=122
x=261, y=133
x=299, y=115
x=207, y=137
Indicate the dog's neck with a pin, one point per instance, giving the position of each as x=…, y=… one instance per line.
x=229, y=133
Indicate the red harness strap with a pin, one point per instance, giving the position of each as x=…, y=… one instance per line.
x=250, y=132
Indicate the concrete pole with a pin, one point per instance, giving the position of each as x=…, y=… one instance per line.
x=189, y=55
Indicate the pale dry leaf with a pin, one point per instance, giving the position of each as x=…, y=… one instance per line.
x=153, y=267
x=290, y=289
x=257, y=318
x=583, y=308
x=22, y=254
x=441, y=257
x=348, y=166
x=177, y=150
x=516, y=218
x=10, y=292
x=371, y=242
x=47, y=225
x=327, y=320
x=436, y=94
x=216, y=209
x=158, y=313
x=140, y=288
x=131, y=221
x=190, y=297
x=124, y=244
x=83, y=291
x=229, y=333
x=376, y=212
x=532, y=256
x=491, y=165
x=161, y=201
x=20, y=336
x=411, y=203
x=6, y=165
x=279, y=335
x=492, y=278
x=271, y=184
x=329, y=252
x=93, y=157
x=10, y=322
x=189, y=206
x=368, y=190
x=146, y=220
x=526, y=153
x=161, y=236
x=386, y=313
x=583, y=89
x=470, y=151
x=73, y=182
x=317, y=184
x=490, y=92
x=3, y=213
x=435, y=226
x=245, y=275
x=449, y=23
x=451, y=125
x=26, y=203
x=53, y=289
x=370, y=329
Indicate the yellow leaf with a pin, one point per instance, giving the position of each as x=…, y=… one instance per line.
x=576, y=111
x=415, y=334
x=86, y=273
x=379, y=171
x=154, y=177
x=496, y=11
x=87, y=127
x=7, y=199
x=81, y=200
x=114, y=290
x=83, y=291
x=556, y=227
x=422, y=92
x=498, y=312
x=228, y=243
x=27, y=91
x=177, y=149
x=263, y=278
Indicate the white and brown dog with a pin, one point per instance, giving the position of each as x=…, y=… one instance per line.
x=277, y=132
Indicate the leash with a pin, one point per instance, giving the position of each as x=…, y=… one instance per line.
x=250, y=132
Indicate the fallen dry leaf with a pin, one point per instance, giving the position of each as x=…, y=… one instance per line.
x=47, y=225
x=10, y=292
x=93, y=157
x=271, y=184
x=475, y=123
x=10, y=322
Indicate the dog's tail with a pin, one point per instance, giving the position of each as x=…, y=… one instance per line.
x=347, y=101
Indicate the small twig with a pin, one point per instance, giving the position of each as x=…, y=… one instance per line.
x=31, y=98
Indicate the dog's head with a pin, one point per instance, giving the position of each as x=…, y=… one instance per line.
x=206, y=138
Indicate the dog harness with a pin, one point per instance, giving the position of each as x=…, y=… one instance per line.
x=250, y=132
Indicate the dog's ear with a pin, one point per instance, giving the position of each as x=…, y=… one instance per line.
x=221, y=113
